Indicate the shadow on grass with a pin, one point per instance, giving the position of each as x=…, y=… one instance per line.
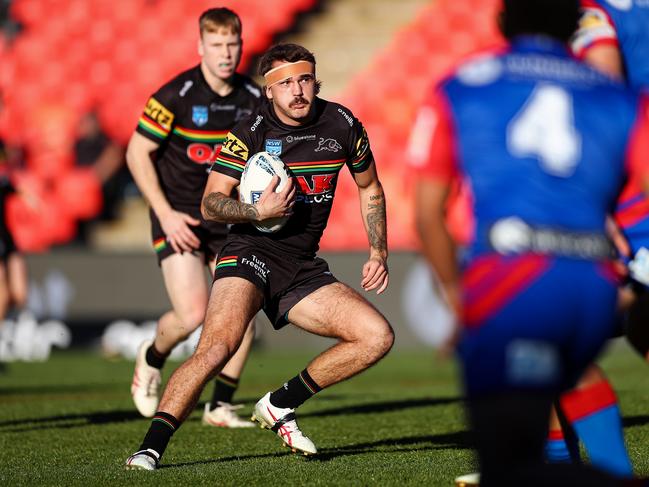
x=120, y=416
x=459, y=440
x=630, y=421
x=48, y=389
x=66, y=421
x=382, y=407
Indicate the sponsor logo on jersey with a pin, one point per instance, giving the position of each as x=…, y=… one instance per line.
x=317, y=188
x=346, y=116
x=157, y=112
x=298, y=138
x=215, y=107
x=199, y=115
x=481, y=71
x=274, y=146
x=202, y=153
x=235, y=147
x=183, y=91
x=621, y=4
x=330, y=145
x=256, y=124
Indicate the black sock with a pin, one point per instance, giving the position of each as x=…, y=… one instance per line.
x=155, y=358
x=162, y=427
x=295, y=391
x=224, y=388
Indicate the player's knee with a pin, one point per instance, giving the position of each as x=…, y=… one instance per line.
x=211, y=359
x=379, y=340
x=191, y=319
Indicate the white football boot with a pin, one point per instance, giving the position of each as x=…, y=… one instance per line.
x=145, y=388
x=143, y=460
x=224, y=416
x=468, y=480
x=282, y=421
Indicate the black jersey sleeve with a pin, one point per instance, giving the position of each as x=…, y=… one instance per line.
x=234, y=154
x=160, y=113
x=360, y=153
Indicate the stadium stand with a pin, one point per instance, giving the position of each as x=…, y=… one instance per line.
x=72, y=56
x=386, y=96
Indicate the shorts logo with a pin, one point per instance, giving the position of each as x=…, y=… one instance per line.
x=258, y=266
x=274, y=146
x=330, y=145
x=199, y=115
x=228, y=261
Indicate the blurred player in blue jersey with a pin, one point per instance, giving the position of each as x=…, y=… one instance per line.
x=613, y=37
x=545, y=143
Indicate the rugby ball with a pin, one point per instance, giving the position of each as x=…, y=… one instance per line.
x=257, y=174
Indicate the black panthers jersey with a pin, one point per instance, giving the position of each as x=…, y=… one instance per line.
x=314, y=154
x=190, y=122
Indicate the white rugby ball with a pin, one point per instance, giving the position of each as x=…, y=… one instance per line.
x=258, y=173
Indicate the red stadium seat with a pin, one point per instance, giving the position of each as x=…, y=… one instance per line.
x=79, y=191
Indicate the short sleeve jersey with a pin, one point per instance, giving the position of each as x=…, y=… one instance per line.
x=623, y=23
x=190, y=122
x=314, y=154
x=538, y=136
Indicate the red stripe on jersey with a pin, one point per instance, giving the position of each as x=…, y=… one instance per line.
x=632, y=214
x=311, y=163
x=511, y=276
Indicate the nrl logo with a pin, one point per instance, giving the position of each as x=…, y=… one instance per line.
x=330, y=145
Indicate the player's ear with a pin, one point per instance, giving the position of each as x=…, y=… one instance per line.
x=269, y=93
x=199, y=46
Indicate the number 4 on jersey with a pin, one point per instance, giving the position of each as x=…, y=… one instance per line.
x=544, y=128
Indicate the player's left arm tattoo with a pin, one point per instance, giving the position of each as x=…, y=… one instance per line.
x=376, y=222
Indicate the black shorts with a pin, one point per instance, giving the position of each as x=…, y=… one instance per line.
x=7, y=244
x=285, y=280
x=211, y=234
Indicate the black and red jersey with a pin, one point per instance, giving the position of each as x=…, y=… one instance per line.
x=314, y=154
x=190, y=121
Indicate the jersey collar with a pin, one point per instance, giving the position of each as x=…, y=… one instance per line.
x=539, y=44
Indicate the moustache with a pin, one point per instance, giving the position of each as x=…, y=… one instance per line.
x=298, y=101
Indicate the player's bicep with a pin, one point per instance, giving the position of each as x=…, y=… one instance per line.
x=140, y=146
x=367, y=178
x=220, y=183
x=605, y=58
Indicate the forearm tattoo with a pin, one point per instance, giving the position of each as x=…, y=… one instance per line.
x=376, y=223
x=222, y=208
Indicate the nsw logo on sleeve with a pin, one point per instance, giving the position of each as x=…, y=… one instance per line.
x=274, y=146
x=199, y=115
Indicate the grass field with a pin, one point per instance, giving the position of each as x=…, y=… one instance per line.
x=69, y=421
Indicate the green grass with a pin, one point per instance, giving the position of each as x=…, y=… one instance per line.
x=70, y=421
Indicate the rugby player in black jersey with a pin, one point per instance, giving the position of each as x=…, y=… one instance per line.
x=279, y=272
x=183, y=125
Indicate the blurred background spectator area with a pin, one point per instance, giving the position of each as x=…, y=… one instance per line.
x=65, y=60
